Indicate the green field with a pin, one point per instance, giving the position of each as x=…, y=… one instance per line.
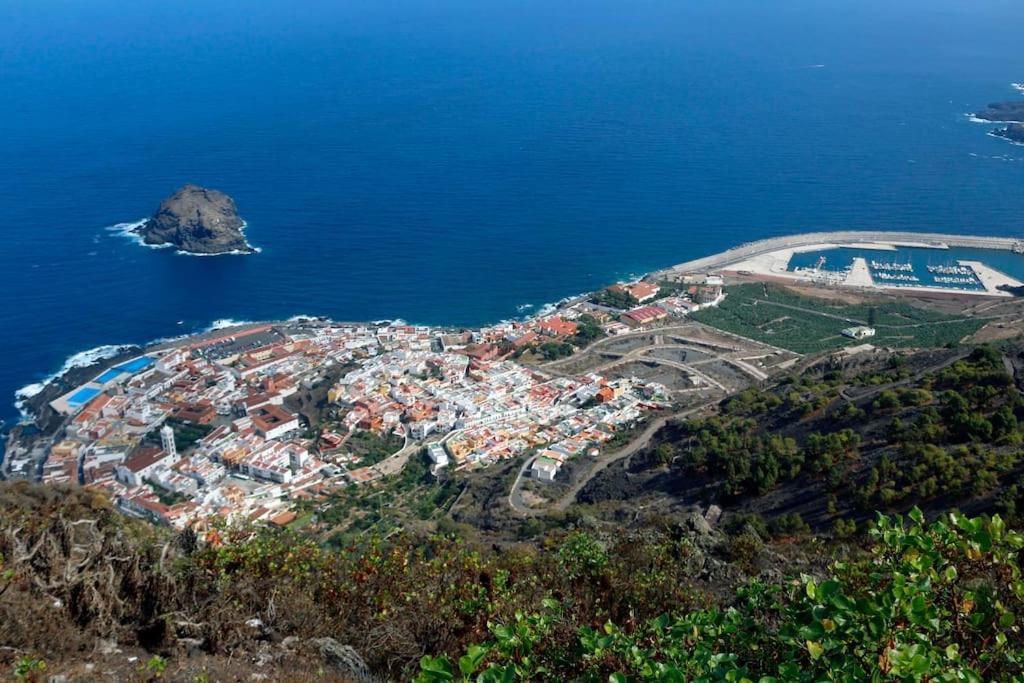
x=775, y=315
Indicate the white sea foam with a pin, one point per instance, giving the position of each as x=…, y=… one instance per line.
x=169, y=339
x=1019, y=87
x=82, y=359
x=1005, y=139
x=549, y=308
x=233, y=252
x=130, y=231
x=524, y=307
x=974, y=119
x=225, y=323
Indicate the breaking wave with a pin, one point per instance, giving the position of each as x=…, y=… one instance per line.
x=128, y=231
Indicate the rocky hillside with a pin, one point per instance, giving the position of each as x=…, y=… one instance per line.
x=833, y=445
x=199, y=221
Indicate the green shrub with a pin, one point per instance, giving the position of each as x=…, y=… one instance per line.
x=934, y=602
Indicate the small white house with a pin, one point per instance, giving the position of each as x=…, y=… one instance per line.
x=437, y=455
x=859, y=332
x=545, y=469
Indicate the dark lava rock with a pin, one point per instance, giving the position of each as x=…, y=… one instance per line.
x=1013, y=132
x=343, y=659
x=1003, y=112
x=199, y=221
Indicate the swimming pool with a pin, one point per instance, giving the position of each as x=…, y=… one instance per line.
x=135, y=364
x=83, y=395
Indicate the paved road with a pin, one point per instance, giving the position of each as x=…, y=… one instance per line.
x=515, y=496
x=868, y=392
x=676, y=332
x=569, y=497
x=737, y=359
x=395, y=463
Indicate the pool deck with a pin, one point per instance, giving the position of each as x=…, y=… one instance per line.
x=68, y=403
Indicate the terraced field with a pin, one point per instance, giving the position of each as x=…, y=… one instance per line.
x=773, y=314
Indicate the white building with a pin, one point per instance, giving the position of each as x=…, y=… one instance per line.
x=167, y=441
x=437, y=455
x=134, y=470
x=859, y=332
x=545, y=469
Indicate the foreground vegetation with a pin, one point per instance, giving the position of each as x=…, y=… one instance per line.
x=929, y=602
x=924, y=601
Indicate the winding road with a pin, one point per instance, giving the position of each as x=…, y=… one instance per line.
x=515, y=499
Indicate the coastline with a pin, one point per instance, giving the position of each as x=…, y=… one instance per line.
x=770, y=258
x=739, y=260
x=859, y=238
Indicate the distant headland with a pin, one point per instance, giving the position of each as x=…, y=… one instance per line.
x=1003, y=112
x=1010, y=112
x=198, y=221
x=1013, y=132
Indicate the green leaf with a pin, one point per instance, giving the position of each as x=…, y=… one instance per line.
x=812, y=631
x=436, y=668
x=828, y=590
x=469, y=662
x=916, y=515
x=815, y=649
x=918, y=604
x=660, y=623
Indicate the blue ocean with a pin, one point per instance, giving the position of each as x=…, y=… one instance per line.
x=465, y=161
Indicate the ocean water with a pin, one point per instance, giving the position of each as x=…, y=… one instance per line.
x=461, y=161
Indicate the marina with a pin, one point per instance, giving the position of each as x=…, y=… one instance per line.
x=922, y=262
x=909, y=266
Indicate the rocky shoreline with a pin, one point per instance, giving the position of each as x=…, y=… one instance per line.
x=44, y=418
x=1010, y=112
x=1013, y=132
x=1002, y=112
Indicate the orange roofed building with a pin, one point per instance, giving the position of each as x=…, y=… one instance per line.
x=645, y=315
x=557, y=327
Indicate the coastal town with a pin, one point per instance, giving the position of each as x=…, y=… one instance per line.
x=214, y=428
x=260, y=422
